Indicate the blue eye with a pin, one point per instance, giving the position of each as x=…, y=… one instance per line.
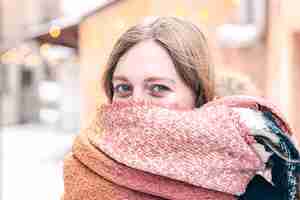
x=122, y=90
x=159, y=90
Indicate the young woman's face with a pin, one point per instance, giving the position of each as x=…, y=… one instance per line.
x=146, y=72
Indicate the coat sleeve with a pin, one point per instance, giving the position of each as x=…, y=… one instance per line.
x=259, y=188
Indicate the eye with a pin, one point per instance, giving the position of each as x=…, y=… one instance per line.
x=122, y=90
x=159, y=90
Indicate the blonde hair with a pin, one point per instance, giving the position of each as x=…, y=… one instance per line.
x=186, y=45
x=234, y=83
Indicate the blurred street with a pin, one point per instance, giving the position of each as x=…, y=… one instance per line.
x=33, y=157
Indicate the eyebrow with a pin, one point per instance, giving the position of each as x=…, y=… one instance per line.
x=119, y=78
x=150, y=79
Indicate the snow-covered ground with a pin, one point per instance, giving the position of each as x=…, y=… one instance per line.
x=31, y=160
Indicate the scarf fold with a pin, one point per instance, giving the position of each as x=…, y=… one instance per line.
x=144, y=151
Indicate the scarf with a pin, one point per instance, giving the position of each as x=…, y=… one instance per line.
x=139, y=150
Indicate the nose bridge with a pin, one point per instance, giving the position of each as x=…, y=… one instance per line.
x=139, y=94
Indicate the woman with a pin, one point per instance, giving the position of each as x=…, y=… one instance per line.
x=162, y=137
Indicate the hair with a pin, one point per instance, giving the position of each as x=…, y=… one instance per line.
x=234, y=83
x=186, y=45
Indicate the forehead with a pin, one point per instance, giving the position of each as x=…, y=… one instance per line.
x=146, y=59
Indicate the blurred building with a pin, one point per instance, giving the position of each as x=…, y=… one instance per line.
x=17, y=17
x=21, y=74
x=20, y=77
x=34, y=74
x=284, y=60
x=19, y=85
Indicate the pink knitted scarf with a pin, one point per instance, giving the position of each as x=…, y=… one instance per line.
x=146, y=151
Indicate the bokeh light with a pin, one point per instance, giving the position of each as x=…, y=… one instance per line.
x=55, y=31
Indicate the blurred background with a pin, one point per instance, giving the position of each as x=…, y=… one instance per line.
x=52, y=55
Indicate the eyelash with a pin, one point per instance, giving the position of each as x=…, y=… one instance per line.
x=162, y=89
